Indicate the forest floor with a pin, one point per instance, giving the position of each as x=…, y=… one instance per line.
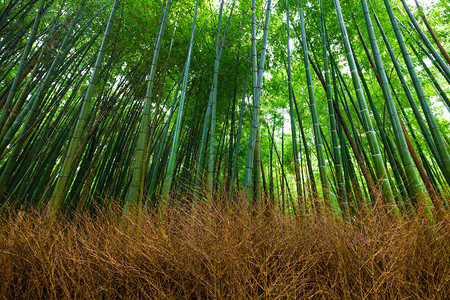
x=205, y=252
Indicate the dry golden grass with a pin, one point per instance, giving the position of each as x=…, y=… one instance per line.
x=205, y=252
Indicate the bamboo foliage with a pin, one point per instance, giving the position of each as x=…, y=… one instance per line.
x=90, y=116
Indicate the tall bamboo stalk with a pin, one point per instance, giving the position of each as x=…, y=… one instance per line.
x=292, y=115
x=342, y=197
x=136, y=189
x=15, y=85
x=212, y=129
x=176, y=138
x=30, y=112
x=432, y=33
x=58, y=195
x=257, y=98
x=440, y=144
x=314, y=115
x=239, y=131
x=445, y=67
x=367, y=123
x=422, y=125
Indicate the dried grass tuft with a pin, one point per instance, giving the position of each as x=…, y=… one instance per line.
x=204, y=252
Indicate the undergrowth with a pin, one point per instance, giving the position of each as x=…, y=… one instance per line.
x=206, y=252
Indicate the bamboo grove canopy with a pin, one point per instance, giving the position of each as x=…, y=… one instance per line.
x=306, y=105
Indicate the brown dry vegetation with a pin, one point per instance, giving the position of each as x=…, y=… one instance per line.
x=206, y=252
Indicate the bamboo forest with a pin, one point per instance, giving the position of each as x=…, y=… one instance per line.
x=226, y=149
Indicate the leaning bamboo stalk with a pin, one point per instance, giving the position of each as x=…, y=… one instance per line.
x=58, y=196
x=136, y=189
x=367, y=123
x=352, y=143
x=314, y=114
x=176, y=138
x=388, y=146
x=426, y=133
x=342, y=198
x=31, y=107
x=431, y=191
x=9, y=100
x=433, y=79
x=432, y=33
x=314, y=196
x=412, y=180
x=440, y=144
x=155, y=172
x=445, y=67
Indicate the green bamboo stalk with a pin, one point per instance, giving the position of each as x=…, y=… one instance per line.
x=155, y=172
x=433, y=79
x=212, y=130
x=232, y=139
x=239, y=131
x=388, y=146
x=202, y=149
x=432, y=33
x=350, y=176
x=430, y=56
x=284, y=181
x=426, y=133
x=37, y=64
x=176, y=138
x=136, y=189
x=254, y=60
x=257, y=98
x=300, y=199
x=314, y=196
x=207, y=119
x=424, y=159
x=314, y=115
x=440, y=144
x=445, y=67
x=367, y=123
x=344, y=89
x=58, y=196
x=32, y=105
x=15, y=85
x=331, y=114
x=271, y=176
